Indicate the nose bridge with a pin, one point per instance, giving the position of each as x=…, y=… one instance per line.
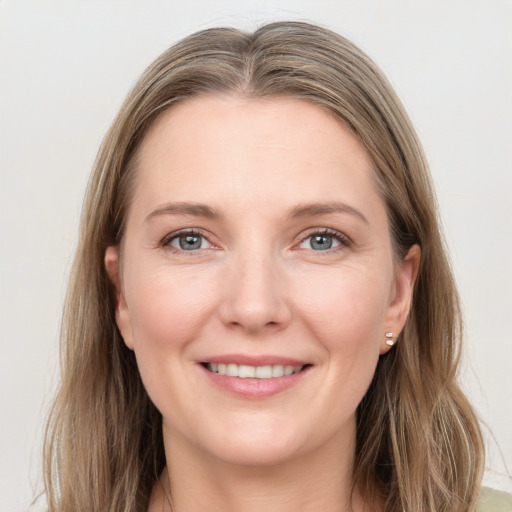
x=254, y=294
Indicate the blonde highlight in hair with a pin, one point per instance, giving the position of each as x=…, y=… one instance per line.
x=418, y=446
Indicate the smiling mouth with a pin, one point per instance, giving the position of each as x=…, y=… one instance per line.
x=243, y=371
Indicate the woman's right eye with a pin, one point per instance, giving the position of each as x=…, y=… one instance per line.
x=187, y=241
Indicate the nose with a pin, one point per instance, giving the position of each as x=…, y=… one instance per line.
x=254, y=298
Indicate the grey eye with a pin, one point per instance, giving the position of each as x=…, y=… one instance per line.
x=189, y=242
x=321, y=242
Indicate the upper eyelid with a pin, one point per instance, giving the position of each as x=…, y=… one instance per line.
x=180, y=232
x=304, y=235
x=324, y=231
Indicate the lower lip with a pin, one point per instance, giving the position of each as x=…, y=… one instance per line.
x=255, y=388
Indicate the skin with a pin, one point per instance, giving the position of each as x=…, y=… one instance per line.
x=258, y=286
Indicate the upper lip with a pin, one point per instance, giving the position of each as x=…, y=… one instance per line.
x=252, y=360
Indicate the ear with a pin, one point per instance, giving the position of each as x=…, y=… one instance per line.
x=401, y=299
x=122, y=313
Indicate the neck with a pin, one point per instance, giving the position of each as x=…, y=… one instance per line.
x=321, y=480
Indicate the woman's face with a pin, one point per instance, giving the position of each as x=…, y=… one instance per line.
x=257, y=246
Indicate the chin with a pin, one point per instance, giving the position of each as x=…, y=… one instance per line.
x=261, y=453
x=244, y=441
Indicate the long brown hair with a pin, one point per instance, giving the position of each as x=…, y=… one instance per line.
x=419, y=446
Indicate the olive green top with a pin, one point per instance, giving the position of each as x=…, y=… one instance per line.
x=494, y=501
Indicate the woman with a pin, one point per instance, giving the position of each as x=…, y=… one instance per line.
x=261, y=314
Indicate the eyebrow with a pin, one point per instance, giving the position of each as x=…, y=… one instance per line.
x=195, y=209
x=318, y=209
x=299, y=211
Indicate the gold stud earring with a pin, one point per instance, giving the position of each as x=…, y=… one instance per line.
x=389, y=340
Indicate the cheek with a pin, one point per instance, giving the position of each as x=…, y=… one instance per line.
x=168, y=311
x=348, y=307
x=346, y=311
x=168, y=308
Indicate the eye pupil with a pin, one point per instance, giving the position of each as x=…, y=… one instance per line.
x=321, y=242
x=190, y=242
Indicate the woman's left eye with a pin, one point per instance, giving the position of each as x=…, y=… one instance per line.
x=323, y=241
x=187, y=241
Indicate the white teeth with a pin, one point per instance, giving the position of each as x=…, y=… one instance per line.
x=259, y=372
x=277, y=370
x=232, y=370
x=264, y=372
x=245, y=372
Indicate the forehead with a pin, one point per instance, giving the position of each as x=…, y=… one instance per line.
x=262, y=121
x=285, y=150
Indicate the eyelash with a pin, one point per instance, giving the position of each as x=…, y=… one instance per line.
x=167, y=240
x=343, y=240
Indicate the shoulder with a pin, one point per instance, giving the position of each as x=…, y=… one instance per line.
x=491, y=500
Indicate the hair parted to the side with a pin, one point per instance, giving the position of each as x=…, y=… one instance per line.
x=419, y=447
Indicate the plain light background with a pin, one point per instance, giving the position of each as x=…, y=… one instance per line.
x=65, y=67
